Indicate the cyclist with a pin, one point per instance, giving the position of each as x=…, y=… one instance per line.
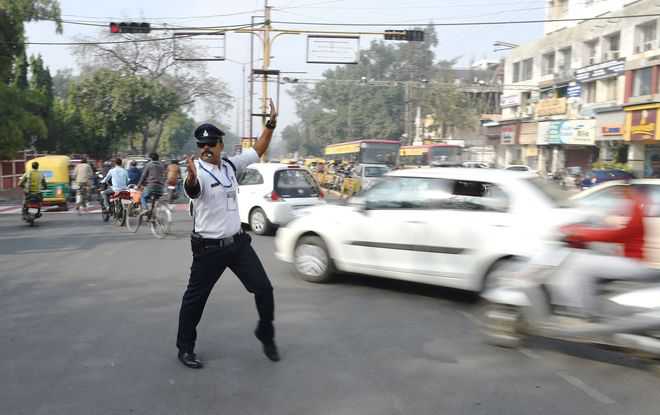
x=152, y=179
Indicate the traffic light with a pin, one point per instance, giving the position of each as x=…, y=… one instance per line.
x=395, y=35
x=409, y=35
x=415, y=35
x=131, y=27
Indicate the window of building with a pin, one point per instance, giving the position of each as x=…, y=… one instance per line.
x=516, y=72
x=561, y=91
x=610, y=89
x=612, y=45
x=591, y=52
x=589, y=92
x=548, y=64
x=642, y=82
x=645, y=36
x=527, y=69
x=564, y=61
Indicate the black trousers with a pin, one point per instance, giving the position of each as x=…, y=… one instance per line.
x=205, y=272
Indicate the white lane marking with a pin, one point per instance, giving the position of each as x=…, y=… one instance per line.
x=530, y=354
x=591, y=392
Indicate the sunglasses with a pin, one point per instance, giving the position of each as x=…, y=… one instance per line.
x=202, y=145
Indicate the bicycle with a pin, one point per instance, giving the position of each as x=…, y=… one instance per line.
x=158, y=216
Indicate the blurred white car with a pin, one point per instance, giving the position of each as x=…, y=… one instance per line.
x=442, y=226
x=606, y=199
x=270, y=194
x=369, y=174
x=520, y=167
x=475, y=165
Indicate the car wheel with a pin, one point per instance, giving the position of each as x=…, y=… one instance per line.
x=312, y=260
x=259, y=222
x=500, y=325
x=500, y=269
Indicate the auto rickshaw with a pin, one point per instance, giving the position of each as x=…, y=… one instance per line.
x=312, y=163
x=56, y=171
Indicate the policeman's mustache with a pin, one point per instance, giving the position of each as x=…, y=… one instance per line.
x=207, y=154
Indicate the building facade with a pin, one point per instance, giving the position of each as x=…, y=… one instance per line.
x=587, y=89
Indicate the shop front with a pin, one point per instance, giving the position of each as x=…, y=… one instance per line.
x=527, y=139
x=567, y=143
x=609, y=135
x=509, y=151
x=641, y=132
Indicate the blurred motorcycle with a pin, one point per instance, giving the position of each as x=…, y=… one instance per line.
x=32, y=208
x=521, y=301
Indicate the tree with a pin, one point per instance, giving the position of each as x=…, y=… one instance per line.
x=13, y=15
x=21, y=72
x=16, y=124
x=188, y=82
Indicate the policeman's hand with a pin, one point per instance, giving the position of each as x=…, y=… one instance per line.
x=192, y=169
x=273, y=111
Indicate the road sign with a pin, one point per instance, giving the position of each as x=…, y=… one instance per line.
x=199, y=46
x=333, y=49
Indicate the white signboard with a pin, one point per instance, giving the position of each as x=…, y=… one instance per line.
x=509, y=100
x=333, y=49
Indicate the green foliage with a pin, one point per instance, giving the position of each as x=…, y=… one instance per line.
x=18, y=126
x=603, y=165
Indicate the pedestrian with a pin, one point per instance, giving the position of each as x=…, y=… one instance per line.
x=152, y=180
x=82, y=179
x=218, y=241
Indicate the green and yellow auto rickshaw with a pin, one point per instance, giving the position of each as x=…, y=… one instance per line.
x=56, y=171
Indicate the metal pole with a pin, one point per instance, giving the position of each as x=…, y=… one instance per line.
x=266, y=63
x=243, y=104
x=251, y=77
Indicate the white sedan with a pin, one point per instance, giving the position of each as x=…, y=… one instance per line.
x=270, y=194
x=442, y=226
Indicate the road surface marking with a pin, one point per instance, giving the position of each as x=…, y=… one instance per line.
x=530, y=354
x=591, y=392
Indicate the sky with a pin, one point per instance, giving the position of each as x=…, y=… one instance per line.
x=289, y=51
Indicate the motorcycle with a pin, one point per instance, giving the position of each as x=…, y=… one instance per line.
x=523, y=301
x=32, y=208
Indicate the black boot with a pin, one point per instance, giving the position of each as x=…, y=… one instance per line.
x=190, y=360
x=265, y=332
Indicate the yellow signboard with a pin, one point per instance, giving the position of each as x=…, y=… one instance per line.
x=551, y=106
x=342, y=148
x=414, y=151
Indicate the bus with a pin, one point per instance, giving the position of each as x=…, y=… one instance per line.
x=431, y=155
x=364, y=152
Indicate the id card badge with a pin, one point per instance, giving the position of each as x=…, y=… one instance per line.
x=232, y=205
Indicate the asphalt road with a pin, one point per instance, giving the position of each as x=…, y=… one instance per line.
x=88, y=316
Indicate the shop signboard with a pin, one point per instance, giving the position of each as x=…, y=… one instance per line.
x=600, y=70
x=551, y=106
x=570, y=132
x=508, y=135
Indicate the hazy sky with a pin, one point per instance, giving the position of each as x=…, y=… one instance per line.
x=289, y=52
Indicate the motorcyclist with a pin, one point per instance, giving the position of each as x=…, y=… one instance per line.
x=134, y=173
x=584, y=268
x=119, y=178
x=152, y=179
x=32, y=182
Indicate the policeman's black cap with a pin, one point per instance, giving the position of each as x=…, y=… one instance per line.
x=208, y=133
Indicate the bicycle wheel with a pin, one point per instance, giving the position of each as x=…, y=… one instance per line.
x=133, y=217
x=161, y=220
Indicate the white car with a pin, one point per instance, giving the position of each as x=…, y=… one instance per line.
x=270, y=194
x=520, y=167
x=606, y=199
x=442, y=226
x=475, y=165
x=369, y=174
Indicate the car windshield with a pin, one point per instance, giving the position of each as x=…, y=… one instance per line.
x=375, y=171
x=295, y=183
x=555, y=194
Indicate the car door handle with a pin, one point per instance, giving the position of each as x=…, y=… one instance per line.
x=416, y=222
x=497, y=225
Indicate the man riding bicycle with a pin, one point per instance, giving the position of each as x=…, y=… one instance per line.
x=82, y=178
x=119, y=179
x=152, y=180
x=32, y=182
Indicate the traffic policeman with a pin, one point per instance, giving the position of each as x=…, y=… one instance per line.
x=218, y=241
